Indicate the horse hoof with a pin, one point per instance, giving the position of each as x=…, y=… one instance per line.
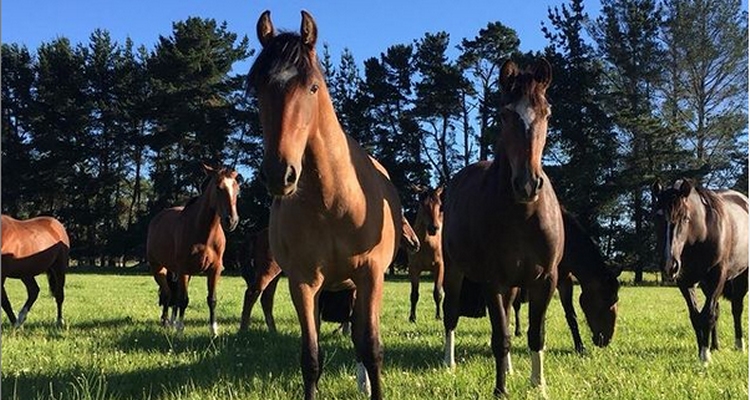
x=214, y=329
x=21, y=318
x=412, y=319
x=61, y=323
x=739, y=344
x=179, y=326
x=705, y=356
x=363, y=381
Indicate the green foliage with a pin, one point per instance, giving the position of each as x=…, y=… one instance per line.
x=114, y=348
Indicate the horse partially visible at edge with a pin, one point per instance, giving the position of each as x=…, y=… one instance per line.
x=702, y=239
x=190, y=240
x=31, y=247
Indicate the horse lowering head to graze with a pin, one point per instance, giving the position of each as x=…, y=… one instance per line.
x=702, y=238
x=29, y=248
x=190, y=240
x=503, y=226
x=335, y=215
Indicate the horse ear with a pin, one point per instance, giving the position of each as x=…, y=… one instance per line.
x=507, y=73
x=265, y=28
x=685, y=188
x=543, y=72
x=439, y=191
x=656, y=189
x=308, y=30
x=207, y=169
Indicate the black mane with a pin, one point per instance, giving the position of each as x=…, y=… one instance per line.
x=283, y=60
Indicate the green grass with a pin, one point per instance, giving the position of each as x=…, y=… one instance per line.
x=113, y=348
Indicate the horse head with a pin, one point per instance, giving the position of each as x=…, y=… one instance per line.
x=671, y=210
x=430, y=211
x=223, y=188
x=524, y=113
x=289, y=85
x=598, y=301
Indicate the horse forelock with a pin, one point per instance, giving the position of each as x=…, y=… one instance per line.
x=283, y=61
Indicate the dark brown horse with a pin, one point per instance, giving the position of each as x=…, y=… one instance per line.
x=190, y=240
x=428, y=226
x=583, y=260
x=335, y=216
x=29, y=248
x=502, y=224
x=702, y=238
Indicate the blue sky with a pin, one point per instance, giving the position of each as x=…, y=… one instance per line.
x=366, y=28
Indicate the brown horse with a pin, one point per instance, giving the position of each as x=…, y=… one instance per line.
x=428, y=226
x=190, y=240
x=502, y=224
x=263, y=276
x=29, y=248
x=335, y=216
x=702, y=237
x=599, y=286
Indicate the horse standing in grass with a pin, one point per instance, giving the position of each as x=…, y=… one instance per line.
x=29, y=248
x=190, y=240
x=502, y=224
x=702, y=237
x=428, y=226
x=599, y=286
x=335, y=215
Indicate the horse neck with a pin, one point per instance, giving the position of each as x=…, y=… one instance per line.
x=328, y=160
x=203, y=216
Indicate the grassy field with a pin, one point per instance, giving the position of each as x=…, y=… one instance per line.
x=113, y=348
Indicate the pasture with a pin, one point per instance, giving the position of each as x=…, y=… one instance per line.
x=114, y=348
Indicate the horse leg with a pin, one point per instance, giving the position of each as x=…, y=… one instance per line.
x=182, y=301
x=366, y=335
x=304, y=298
x=451, y=309
x=713, y=338
x=32, y=288
x=213, y=280
x=414, y=279
x=565, y=288
x=165, y=293
x=514, y=299
x=251, y=296
x=739, y=290
x=266, y=302
x=710, y=313
x=500, y=342
x=437, y=291
x=688, y=292
x=56, y=277
x=6, y=305
x=539, y=292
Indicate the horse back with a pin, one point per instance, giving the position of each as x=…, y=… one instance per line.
x=31, y=247
x=736, y=219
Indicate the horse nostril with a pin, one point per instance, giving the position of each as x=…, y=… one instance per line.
x=539, y=183
x=291, y=175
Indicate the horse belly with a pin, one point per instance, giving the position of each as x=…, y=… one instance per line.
x=28, y=266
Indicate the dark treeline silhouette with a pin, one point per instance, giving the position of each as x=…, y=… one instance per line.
x=103, y=135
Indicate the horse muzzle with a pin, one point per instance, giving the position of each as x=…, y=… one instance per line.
x=280, y=178
x=526, y=189
x=229, y=223
x=672, y=269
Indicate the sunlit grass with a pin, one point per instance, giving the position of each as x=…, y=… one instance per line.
x=113, y=348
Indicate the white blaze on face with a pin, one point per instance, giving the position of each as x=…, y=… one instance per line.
x=667, y=239
x=525, y=112
x=228, y=184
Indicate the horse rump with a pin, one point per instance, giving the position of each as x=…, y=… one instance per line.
x=472, y=303
x=336, y=306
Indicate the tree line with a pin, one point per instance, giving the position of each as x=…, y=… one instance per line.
x=104, y=134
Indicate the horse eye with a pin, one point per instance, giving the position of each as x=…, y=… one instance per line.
x=314, y=88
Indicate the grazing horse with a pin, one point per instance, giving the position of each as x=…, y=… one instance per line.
x=502, y=225
x=190, y=240
x=335, y=215
x=428, y=226
x=702, y=237
x=29, y=248
x=599, y=286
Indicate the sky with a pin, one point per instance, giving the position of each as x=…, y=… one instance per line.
x=366, y=28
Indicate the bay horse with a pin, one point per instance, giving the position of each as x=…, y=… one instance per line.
x=503, y=226
x=583, y=260
x=29, y=248
x=335, y=216
x=428, y=226
x=190, y=240
x=264, y=273
x=702, y=238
